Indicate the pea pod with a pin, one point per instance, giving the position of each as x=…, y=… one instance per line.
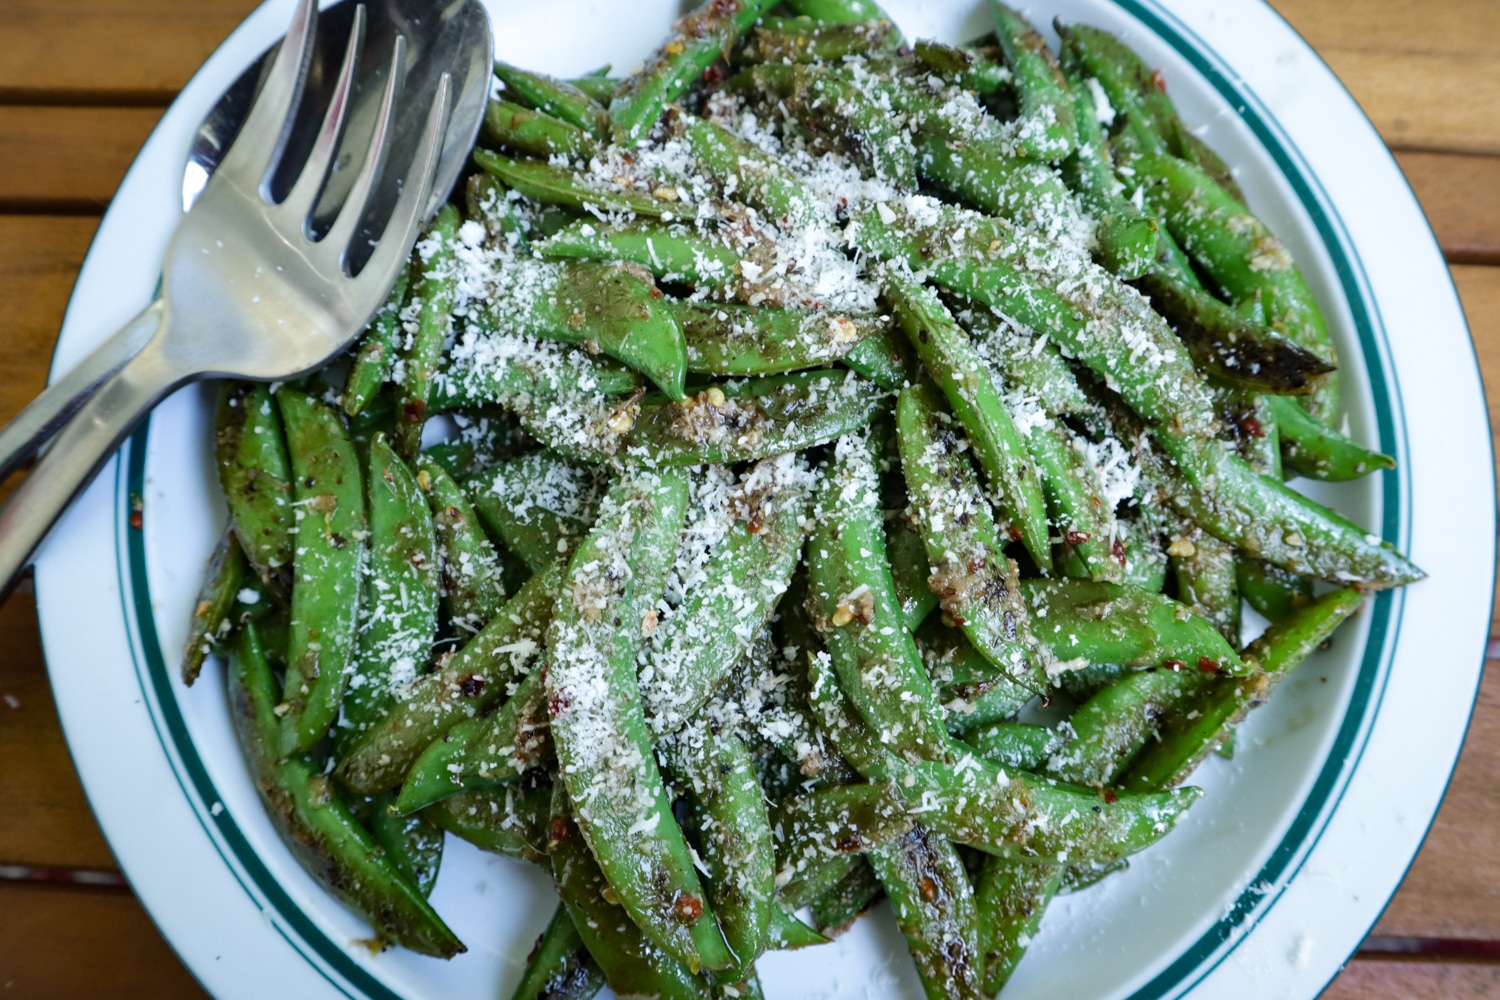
x=969, y=67
x=907, y=553
x=1271, y=590
x=434, y=294
x=743, y=577
x=934, y=904
x=735, y=421
x=614, y=307
x=752, y=175
x=836, y=910
x=839, y=11
x=972, y=692
x=975, y=583
x=255, y=475
x=1113, y=726
x=781, y=40
x=1074, y=495
x=841, y=116
x=727, y=808
x=852, y=601
x=539, y=505
x=327, y=571
x=1111, y=623
x=1011, y=897
x=699, y=38
x=673, y=252
x=481, y=673
x=555, y=97
x=728, y=339
x=533, y=133
x=559, y=966
x=844, y=819
x=1311, y=449
x=377, y=351
x=1197, y=730
x=1031, y=365
x=603, y=744
x=412, y=843
x=884, y=358
x=1206, y=580
x=1100, y=321
x=472, y=588
x=212, y=623
x=632, y=965
x=511, y=822
x=1045, y=129
x=494, y=367
x=997, y=445
x=1016, y=746
x=560, y=186
x=398, y=617
x=600, y=88
x=322, y=834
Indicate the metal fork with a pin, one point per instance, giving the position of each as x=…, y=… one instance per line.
x=247, y=292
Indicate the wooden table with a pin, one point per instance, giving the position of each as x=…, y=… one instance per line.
x=83, y=81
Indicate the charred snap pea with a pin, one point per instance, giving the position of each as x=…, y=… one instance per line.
x=559, y=966
x=1311, y=449
x=534, y=133
x=317, y=826
x=836, y=910
x=1045, y=130
x=412, y=843
x=419, y=361
x=970, y=68
x=212, y=623
x=728, y=339
x=555, y=97
x=539, y=505
x=781, y=40
x=934, y=903
x=327, y=568
x=377, y=351
x=1011, y=897
x=502, y=368
x=255, y=475
x=566, y=188
x=511, y=822
x=472, y=588
x=1271, y=590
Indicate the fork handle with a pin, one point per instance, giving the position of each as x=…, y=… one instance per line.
x=77, y=453
x=46, y=414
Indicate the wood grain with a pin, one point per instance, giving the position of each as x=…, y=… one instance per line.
x=1425, y=73
x=39, y=260
x=80, y=942
x=1383, y=979
x=1461, y=195
x=68, y=159
x=76, y=51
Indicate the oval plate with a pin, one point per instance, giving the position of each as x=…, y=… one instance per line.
x=1269, y=884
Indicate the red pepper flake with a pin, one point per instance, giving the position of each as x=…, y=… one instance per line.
x=1174, y=664
x=415, y=411
x=557, y=705
x=136, y=506
x=559, y=830
x=470, y=686
x=1076, y=537
x=688, y=908
x=1207, y=666
x=851, y=844
x=1014, y=533
x=1109, y=795
x=929, y=889
x=1158, y=81
x=1118, y=551
x=755, y=525
x=1251, y=426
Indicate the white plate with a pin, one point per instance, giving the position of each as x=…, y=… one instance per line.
x=1264, y=890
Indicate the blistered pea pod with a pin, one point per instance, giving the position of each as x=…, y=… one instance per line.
x=673, y=252
x=1011, y=897
x=1051, y=291
x=1017, y=746
x=1243, y=259
x=1211, y=717
x=1045, y=129
x=487, y=202
x=1074, y=492
x=935, y=909
x=560, y=186
x=615, y=307
x=609, y=595
x=884, y=357
x=727, y=810
x=853, y=605
x=398, y=615
x=840, y=11
x=724, y=423
x=1250, y=426
x=599, y=87
x=324, y=837
x=971, y=691
x=377, y=350
x=473, y=590
x=1272, y=591
x=212, y=624
x=412, y=843
x=1113, y=726
x=1265, y=519
x=559, y=98
x=976, y=584
x=539, y=505
x=963, y=66
x=1146, y=561
x=998, y=447
x=559, y=966
x=533, y=133
x=1207, y=582
x=255, y=474
x=498, y=368
x=813, y=829
x=434, y=292
x=1312, y=449
x=327, y=570
x=834, y=110
x=802, y=40
x=632, y=965
x=479, y=675
x=1032, y=364
x=750, y=174
x=1089, y=622
x=511, y=822
x=702, y=36
x=907, y=554
x=726, y=339
x=836, y=910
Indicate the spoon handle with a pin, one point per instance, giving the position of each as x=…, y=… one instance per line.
x=80, y=449
x=44, y=416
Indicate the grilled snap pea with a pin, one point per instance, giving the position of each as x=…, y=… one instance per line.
x=255, y=475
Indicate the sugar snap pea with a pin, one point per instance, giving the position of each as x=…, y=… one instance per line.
x=673, y=252
x=1045, y=129
x=729, y=339
x=1016, y=745
x=412, y=843
x=907, y=554
x=398, y=616
x=377, y=351
x=782, y=40
x=559, y=966
x=882, y=357
x=533, y=133
x=1312, y=449
x=472, y=586
x=839, y=11
x=567, y=188
x=1271, y=590
x=317, y=826
x=836, y=910
x=968, y=67
x=255, y=475
x=424, y=346
x=1204, y=568
x=558, y=98
x=1113, y=726
x=1074, y=492
x=934, y=903
x=511, y=822
x=972, y=692
x=749, y=173
x=212, y=624
x=327, y=567
x=495, y=367
x=539, y=504
x=1011, y=897
x=482, y=672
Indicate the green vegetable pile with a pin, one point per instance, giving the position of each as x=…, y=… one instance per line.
x=816, y=403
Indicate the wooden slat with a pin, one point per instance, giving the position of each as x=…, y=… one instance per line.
x=68, y=159
x=1383, y=979
x=39, y=261
x=67, y=941
x=45, y=819
x=1425, y=73
x=1461, y=195
x=100, y=51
